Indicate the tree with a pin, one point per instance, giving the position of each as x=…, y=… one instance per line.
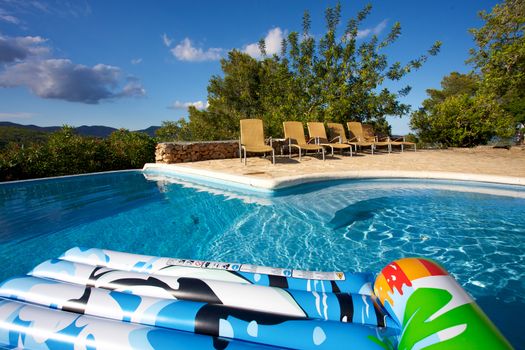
x=433, y=127
x=342, y=80
x=131, y=150
x=454, y=84
x=457, y=115
x=500, y=56
x=173, y=131
x=472, y=108
x=330, y=79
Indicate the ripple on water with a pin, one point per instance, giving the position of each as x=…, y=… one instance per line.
x=349, y=226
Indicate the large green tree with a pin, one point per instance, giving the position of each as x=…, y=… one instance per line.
x=173, y=131
x=341, y=79
x=458, y=115
x=500, y=56
x=472, y=108
x=336, y=78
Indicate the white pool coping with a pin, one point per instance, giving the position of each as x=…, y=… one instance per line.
x=66, y=176
x=264, y=184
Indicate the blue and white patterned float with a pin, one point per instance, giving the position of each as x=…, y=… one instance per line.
x=101, y=299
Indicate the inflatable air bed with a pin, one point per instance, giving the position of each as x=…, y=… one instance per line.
x=101, y=299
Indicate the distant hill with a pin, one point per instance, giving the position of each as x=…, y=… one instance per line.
x=21, y=136
x=150, y=131
x=84, y=130
x=94, y=130
x=31, y=127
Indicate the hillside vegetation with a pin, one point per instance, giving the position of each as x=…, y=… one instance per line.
x=64, y=152
x=20, y=136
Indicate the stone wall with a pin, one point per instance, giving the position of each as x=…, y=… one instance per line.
x=182, y=152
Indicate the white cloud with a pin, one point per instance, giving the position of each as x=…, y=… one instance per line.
x=185, y=105
x=7, y=17
x=19, y=48
x=166, y=40
x=133, y=88
x=16, y=115
x=62, y=8
x=253, y=50
x=65, y=80
x=136, y=61
x=185, y=51
x=361, y=34
x=26, y=63
x=272, y=41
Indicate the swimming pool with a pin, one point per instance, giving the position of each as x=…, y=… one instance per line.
x=475, y=230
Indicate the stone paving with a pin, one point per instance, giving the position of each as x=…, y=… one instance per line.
x=480, y=160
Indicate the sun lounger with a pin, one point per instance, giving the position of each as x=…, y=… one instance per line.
x=252, y=139
x=365, y=135
x=338, y=130
x=356, y=136
x=294, y=133
x=317, y=131
x=400, y=141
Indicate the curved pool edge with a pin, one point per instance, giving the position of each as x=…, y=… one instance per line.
x=284, y=182
x=52, y=178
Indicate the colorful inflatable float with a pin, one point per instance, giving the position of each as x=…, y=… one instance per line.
x=101, y=299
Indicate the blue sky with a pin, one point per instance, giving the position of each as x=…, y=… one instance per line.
x=134, y=64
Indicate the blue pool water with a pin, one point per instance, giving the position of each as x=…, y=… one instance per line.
x=476, y=231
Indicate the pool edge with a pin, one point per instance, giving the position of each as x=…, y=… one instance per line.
x=69, y=176
x=284, y=182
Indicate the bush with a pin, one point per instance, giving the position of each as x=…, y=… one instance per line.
x=173, y=131
x=66, y=153
x=131, y=150
x=462, y=121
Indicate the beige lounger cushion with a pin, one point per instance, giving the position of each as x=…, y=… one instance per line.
x=258, y=149
x=337, y=129
x=308, y=147
x=317, y=130
x=252, y=136
x=356, y=133
x=295, y=132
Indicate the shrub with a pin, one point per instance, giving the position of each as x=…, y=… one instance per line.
x=131, y=150
x=67, y=153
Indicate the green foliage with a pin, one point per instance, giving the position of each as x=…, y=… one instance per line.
x=22, y=136
x=460, y=119
x=434, y=123
x=330, y=79
x=453, y=84
x=131, y=150
x=173, y=131
x=67, y=153
x=472, y=108
x=500, y=55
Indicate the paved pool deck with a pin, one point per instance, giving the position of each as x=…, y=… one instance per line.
x=478, y=164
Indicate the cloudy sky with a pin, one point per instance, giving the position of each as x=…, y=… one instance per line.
x=134, y=64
